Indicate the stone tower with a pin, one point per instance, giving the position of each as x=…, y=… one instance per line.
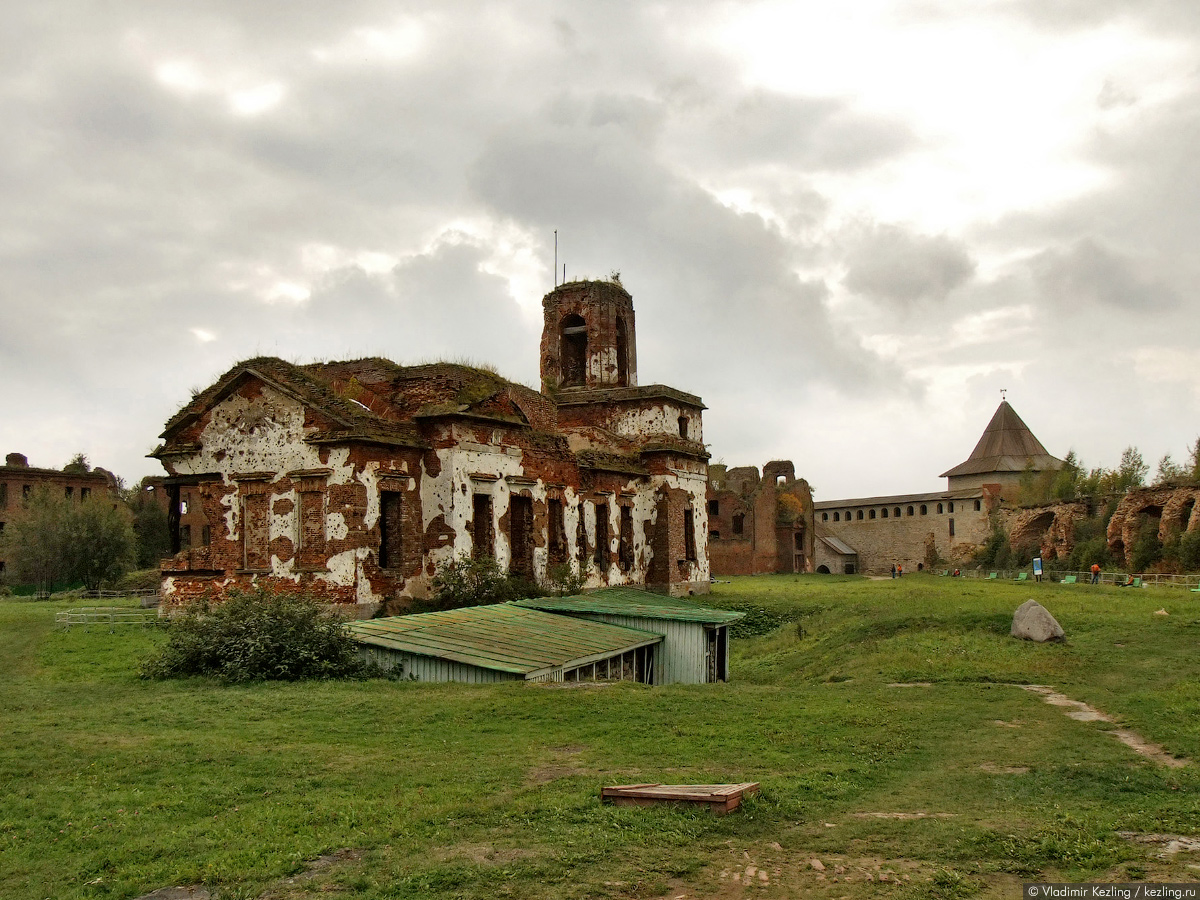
x=588, y=339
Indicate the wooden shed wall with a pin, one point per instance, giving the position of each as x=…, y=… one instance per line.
x=680, y=658
x=430, y=668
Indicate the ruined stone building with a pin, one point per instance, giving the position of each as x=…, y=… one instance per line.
x=870, y=534
x=354, y=480
x=19, y=481
x=759, y=525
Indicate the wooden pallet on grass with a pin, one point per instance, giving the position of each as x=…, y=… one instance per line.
x=719, y=798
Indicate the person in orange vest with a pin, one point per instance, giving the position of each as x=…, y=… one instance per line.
x=1095, y=573
x=899, y=570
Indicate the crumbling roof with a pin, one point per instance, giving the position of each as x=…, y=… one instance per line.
x=371, y=399
x=1007, y=445
x=585, y=396
x=837, y=545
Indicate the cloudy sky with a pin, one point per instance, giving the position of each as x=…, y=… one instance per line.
x=847, y=226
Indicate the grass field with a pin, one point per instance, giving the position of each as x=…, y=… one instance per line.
x=958, y=785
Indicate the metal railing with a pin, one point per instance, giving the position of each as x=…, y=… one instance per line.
x=1188, y=582
x=112, y=616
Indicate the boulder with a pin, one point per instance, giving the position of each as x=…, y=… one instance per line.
x=1033, y=622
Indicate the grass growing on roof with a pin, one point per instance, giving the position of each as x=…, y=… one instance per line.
x=112, y=786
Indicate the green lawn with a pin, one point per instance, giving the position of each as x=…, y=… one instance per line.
x=113, y=787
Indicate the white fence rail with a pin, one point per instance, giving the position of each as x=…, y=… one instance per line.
x=112, y=616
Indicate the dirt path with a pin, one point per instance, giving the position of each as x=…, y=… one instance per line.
x=1081, y=712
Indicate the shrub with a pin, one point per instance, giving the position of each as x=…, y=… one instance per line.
x=567, y=581
x=466, y=581
x=1189, y=551
x=1147, y=548
x=257, y=636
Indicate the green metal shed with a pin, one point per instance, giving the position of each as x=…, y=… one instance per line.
x=506, y=642
x=695, y=648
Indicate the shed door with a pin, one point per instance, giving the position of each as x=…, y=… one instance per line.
x=716, y=657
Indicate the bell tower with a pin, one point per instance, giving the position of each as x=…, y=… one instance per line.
x=588, y=337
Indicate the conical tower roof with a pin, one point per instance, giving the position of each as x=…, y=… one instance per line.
x=1007, y=445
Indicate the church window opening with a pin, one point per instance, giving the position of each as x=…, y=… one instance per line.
x=625, y=554
x=557, y=537
x=602, y=535
x=573, y=351
x=520, y=536
x=978, y=506
x=683, y=426
x=482, y=536
x=739, y=523
x=391, y=534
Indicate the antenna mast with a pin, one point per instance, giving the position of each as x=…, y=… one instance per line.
x=554, y=274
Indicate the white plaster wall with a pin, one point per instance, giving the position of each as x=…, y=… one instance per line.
x=662, y=419
x=266, y=434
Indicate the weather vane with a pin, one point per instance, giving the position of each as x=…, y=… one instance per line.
x=1003, y=393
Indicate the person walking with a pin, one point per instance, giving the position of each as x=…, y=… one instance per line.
x=893, y=570
x=1095, y=573
x=900, y=570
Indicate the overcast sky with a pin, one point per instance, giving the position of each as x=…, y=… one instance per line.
x=847, y=226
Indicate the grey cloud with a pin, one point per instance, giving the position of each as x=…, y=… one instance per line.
x=895, y=266
x=804, y=132
x=1089, y=274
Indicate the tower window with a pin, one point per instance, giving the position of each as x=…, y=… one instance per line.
x=951, y=506
x=714, y=507
x=824, y=517
x=873, y=513
x=683, y=426
x=910, y=510
x=860, y=515
x=573, y=351
x=977, y=506
x=951, y=528
x=940, y=509
x=885, y=513
x=896, y=512
x=836, y=517
x=601, y=549
x=924, y=510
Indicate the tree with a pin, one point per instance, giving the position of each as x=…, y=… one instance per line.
x=97, y=542
x=1169, y=470
x=1194, y=460
x=149, y=525
x=33, y=541
x=53, y=542
x=1065, y=485
x=78, y=465
x=1130, y=472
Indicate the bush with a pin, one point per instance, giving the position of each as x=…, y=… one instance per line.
x=257, y=636
x=567, y=580
x=466, y=581
x=1147, y=548
x=1189, y=551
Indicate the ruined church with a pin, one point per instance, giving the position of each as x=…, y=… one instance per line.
x=352, y=481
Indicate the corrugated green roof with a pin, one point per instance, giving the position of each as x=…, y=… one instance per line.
x=632, y=602
x=505, y=637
